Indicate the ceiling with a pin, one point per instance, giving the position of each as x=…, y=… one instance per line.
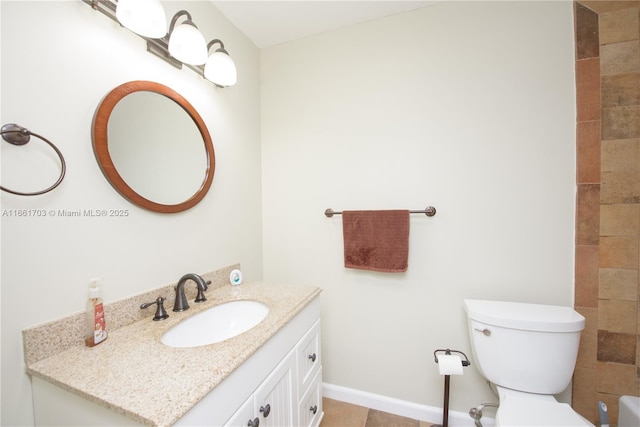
x=268, y=23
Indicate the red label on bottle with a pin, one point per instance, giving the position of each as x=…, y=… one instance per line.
x=99, y=324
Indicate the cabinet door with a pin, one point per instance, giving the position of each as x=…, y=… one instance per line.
x=309, y=356
x=274, y=398
x=245, y=416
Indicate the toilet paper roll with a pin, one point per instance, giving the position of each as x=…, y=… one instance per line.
x=450, y=364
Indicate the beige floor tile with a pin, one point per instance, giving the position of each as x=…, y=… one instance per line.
x=341, y=414
x=383, y=419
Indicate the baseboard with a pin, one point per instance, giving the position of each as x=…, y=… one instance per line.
x=430, y=414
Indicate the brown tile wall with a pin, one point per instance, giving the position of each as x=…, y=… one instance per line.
x=607, y=283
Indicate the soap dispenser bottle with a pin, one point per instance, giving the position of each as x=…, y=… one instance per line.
x=96, y=325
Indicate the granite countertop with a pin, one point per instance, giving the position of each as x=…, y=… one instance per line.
x=134, y=374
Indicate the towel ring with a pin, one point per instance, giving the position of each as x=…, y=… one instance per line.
x=17, y=135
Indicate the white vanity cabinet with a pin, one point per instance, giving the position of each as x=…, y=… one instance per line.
x=291, y=394
x=283, y=377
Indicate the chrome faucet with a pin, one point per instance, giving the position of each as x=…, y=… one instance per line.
x=181, y=300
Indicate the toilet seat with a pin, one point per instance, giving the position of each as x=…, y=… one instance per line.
x=535, y=410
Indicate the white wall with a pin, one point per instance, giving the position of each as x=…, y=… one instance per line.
x=466, y=106
x=59, y=59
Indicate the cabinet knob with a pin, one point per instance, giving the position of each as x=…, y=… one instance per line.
x=314, y=409
x=265, y=410
x=254, y=423
x=312, y=357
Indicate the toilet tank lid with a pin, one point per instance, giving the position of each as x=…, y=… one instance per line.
x=525, y=316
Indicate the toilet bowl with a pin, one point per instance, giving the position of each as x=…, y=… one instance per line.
x=526, y=409
x=528, y=351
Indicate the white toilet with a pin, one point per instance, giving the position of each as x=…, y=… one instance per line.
x=528, y=351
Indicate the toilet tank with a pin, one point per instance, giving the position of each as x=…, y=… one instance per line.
x=526, y=347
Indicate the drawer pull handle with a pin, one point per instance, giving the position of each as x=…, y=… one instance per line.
x=254, y=423
x=314, y=409
x=312, y=357
x=265, y=410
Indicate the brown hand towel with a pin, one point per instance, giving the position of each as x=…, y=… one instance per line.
x=376, y=240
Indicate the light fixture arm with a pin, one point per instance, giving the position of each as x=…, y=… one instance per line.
x=220, y=49
x=158, y=47
x=174, y=20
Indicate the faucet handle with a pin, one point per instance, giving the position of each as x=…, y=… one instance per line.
x=200, y=297
x=161, y=313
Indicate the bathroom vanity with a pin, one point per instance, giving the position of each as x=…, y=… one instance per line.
x=270, y=375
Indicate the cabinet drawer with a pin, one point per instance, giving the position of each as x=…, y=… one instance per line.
x=310, y=407
x=309, y=356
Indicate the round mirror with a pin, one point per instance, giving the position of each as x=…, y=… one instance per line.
x=153, y=147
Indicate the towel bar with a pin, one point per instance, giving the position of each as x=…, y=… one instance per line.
x=428, y=211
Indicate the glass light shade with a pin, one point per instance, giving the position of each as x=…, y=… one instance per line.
x=220, y=69
x=144, y=17
x=187, y=45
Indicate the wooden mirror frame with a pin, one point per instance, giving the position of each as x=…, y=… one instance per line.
x=101, y=145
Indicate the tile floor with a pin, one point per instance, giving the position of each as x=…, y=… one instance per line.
x=341, y=414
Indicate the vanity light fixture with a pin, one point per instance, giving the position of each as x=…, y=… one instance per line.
x=184, y=44
x=144, y=17
x=220, y=68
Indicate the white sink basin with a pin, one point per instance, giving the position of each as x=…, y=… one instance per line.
x=216, y=324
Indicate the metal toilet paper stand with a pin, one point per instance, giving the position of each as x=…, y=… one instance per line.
x=447, y=379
